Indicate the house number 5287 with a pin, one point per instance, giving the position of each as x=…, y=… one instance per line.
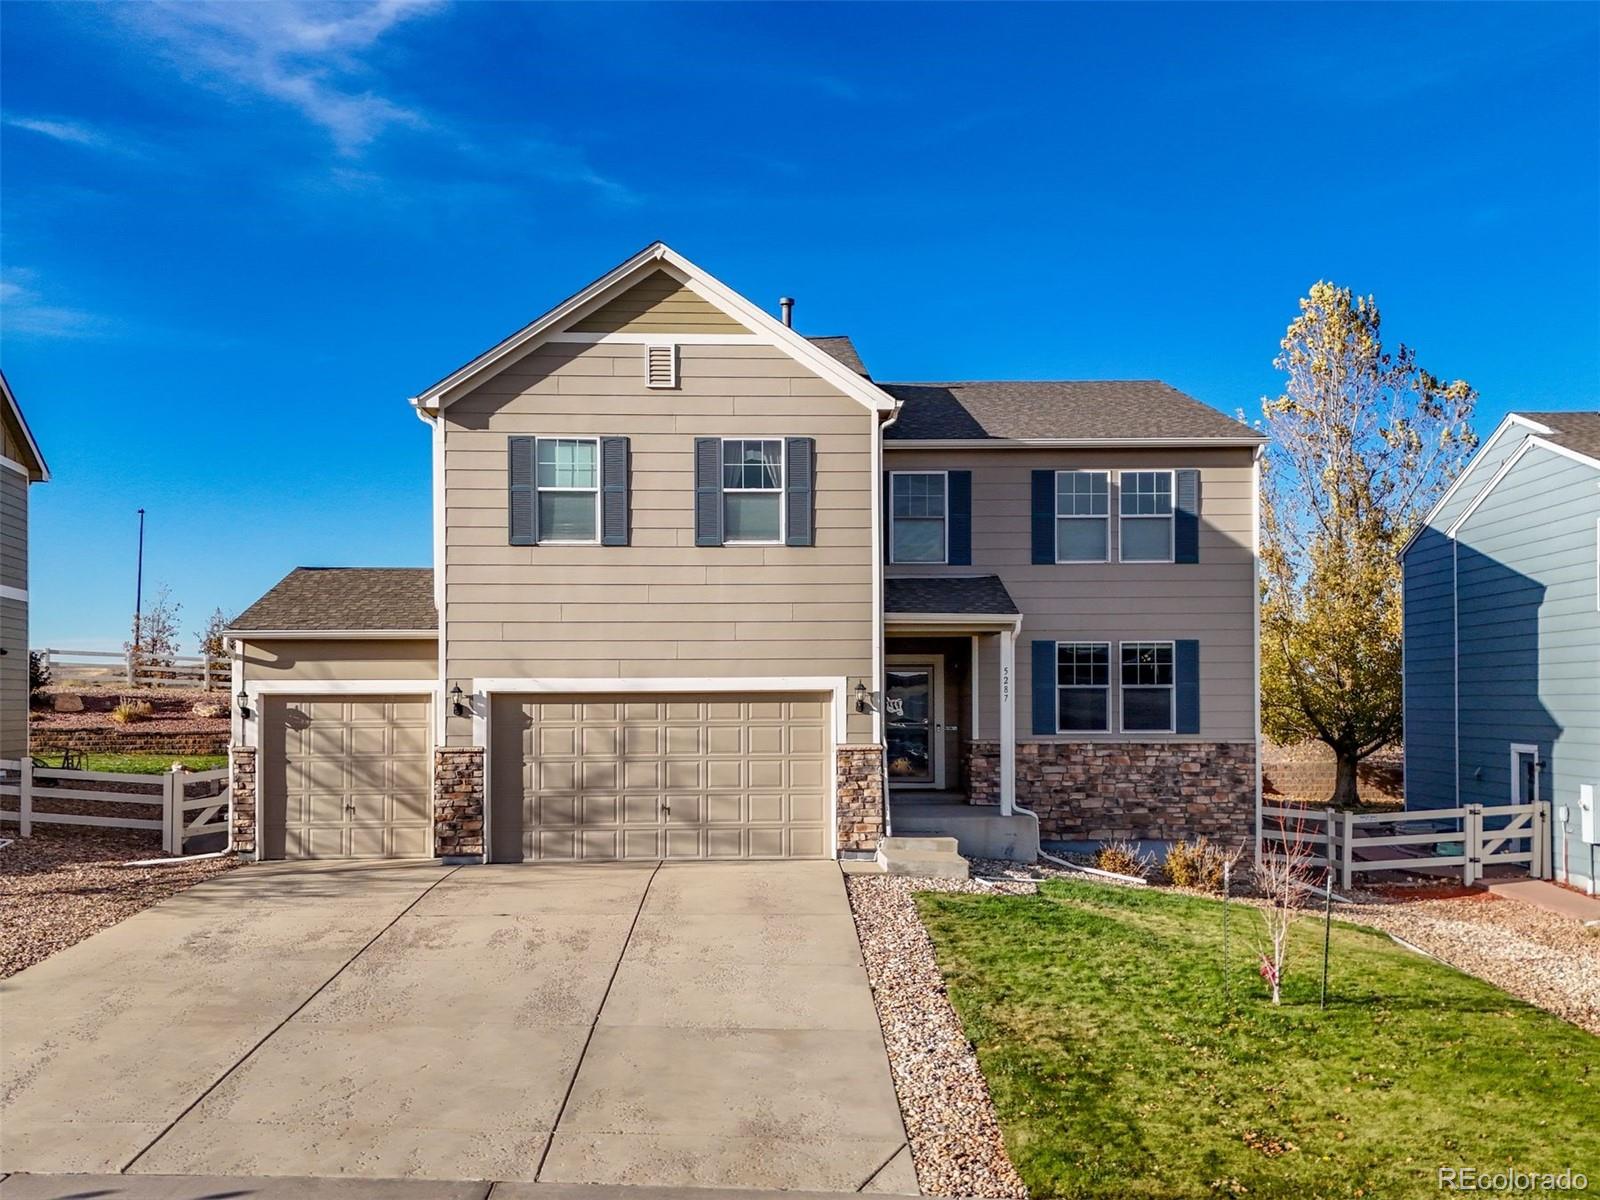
x=1005, y=684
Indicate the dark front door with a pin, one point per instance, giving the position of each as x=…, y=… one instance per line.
x=908, y=723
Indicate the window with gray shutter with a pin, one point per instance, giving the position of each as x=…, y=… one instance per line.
x=614, y=522
x=521, y=515
x=799, y=487
x=707, y=491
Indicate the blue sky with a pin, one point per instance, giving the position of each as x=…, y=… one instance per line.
x=236, y=238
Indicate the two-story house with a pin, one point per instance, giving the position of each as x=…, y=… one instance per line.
x=21, y=464
x=706, y=588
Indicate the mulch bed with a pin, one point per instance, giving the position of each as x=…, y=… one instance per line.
x=65, y=883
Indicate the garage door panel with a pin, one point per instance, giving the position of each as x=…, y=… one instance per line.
x=651, y=777
x=348, y=778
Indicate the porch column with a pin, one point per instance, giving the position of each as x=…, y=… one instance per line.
x=1008, y=721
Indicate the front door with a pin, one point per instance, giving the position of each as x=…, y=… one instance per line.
x=909, y=725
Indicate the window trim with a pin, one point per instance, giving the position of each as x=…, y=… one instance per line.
x=944, y=523
x=1171, y=518
x=780, y=491
x=539, y=489
x=1081, y=562
x=1172, y=688
x=1060, y=728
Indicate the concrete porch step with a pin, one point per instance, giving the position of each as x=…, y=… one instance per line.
x=925, y=857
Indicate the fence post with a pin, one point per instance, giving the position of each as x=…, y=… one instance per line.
x=1347, y=856
x=128, y=656
x=25, y=797
x=1472, y=843
x=172, y=798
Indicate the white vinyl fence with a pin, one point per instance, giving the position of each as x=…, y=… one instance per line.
x=193, y=804
x=120, y=666
x=1474, y=838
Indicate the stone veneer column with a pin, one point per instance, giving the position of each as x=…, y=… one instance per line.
x=980, y=771
x=242, y=800
x=860, y=797
x=458, y=803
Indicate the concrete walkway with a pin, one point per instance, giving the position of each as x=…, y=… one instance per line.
x=1541, y=893
x=688, y=1024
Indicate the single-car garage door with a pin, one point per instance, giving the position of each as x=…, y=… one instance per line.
x=346, y=777
x=645, y=777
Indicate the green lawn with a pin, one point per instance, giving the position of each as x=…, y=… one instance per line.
x=148, y=764
x=1119, y=1070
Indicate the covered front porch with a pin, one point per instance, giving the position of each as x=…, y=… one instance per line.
x=949, y=714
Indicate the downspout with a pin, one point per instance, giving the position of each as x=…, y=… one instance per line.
x=877, y=616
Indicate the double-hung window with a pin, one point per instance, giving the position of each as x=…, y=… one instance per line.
x=752, y=490
x=1083, y=684
x=1146, y=506
x=567, y=480
x=918, y=512
x=1083, y=516
x=1147, y=687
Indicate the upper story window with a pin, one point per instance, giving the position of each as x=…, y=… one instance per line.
x=1083, y=516
x=1145, y=531
x=752, y=490
x=918, y=513
x=568, y=484
x=1083, y=683
x=1147, y=679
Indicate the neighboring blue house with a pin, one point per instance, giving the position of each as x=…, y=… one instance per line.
x=1502, y=634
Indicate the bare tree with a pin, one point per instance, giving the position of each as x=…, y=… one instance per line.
x=155, y=633
x=1283, y=875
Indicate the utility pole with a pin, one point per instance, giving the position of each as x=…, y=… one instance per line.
x=138, y=587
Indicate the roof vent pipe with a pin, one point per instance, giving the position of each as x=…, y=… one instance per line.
x=786, y=303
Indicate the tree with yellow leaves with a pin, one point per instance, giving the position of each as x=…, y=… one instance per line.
x=1363, y=442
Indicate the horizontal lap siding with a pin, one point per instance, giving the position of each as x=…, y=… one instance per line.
x=1530, y=633
x=341, y=659
x=1212, y=600
x=659, y=607
x=1430, y=672
x=658, y=304
x=13, y=529
x=13, y=678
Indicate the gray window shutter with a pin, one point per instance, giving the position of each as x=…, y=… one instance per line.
x=1186, y=675
x=614, y=491
x=959, y=500
x=799, y=488
x=1186, y=517
x=1044, y=688
x=1044, y=518
x=522, y=514
x=708, y=491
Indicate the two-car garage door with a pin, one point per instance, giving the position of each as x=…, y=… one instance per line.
x=650, y=777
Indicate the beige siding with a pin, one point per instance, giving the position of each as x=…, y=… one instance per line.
x=1212, y=600
x=658, y=304
x=660, y=607
x=13, y=529
x=13, y=678
x=12, y=444
x=341, y=659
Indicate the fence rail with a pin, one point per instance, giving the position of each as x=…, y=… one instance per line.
x=193, y=804
x=1473, y=838
x=122, y=666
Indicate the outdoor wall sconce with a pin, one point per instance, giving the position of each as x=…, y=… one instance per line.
x=243, y=701
x=456, y=706
x=863, y=698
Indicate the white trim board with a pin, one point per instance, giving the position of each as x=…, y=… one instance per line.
x=11, y=593
x=1077, y=443
x=658, y=339
x=256, y=635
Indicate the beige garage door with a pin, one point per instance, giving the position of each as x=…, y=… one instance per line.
x=645, y=777
x=346, y=777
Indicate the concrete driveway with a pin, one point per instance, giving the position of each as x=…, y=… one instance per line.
x=693, y=1024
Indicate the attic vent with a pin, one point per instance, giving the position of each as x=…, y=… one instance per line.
x=661, y=366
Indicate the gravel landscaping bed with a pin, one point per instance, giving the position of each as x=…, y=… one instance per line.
x=950, y=1120
x=65, y=883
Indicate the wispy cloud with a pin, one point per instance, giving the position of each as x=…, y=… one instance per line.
x=72, y=132
x=24, y=311
x=307, y=56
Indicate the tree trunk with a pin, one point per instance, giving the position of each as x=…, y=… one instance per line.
x=1344, y=780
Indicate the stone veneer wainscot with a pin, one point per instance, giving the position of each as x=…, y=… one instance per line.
x=458, y=802
x=242, y=799
x=860, y=797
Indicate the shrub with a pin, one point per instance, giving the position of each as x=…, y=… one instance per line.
x=129, y=711
x=1198, y=865
x=207, y=708
x=38, y=673
x=1124, y=858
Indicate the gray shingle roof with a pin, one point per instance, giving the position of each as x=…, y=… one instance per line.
x=1090, y=409
x=1577, y=430
x=844, y=350
x=338, y=598
x=947, y=594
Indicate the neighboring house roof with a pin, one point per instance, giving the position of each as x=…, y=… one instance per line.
x=655, y=257
x=966, y=594
x=1578, y=430
x=1063, y=410
x=38, y=472
x=840, y=347
x=345, y=599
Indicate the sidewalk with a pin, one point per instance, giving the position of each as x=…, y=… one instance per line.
x=259, y=1187
x=1541, y=893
